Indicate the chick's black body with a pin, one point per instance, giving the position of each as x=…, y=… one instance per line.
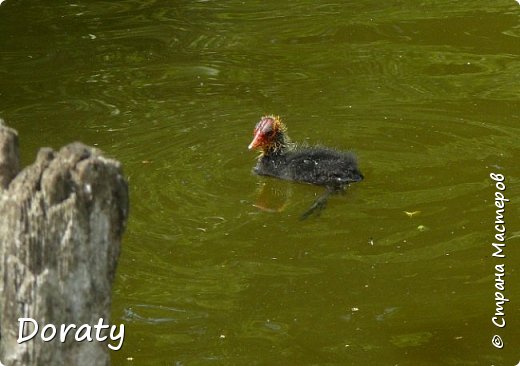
x=316, y=165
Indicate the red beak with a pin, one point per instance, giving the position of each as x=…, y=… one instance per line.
x=257, y=140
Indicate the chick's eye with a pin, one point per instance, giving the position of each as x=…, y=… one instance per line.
x=266, y=128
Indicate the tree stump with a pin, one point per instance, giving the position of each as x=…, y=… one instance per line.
x=61, y=222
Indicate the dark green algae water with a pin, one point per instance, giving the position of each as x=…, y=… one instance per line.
x=426, y=93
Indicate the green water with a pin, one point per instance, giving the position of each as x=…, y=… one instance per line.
x=426, y=93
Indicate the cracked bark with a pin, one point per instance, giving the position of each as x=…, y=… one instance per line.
x=61, y=222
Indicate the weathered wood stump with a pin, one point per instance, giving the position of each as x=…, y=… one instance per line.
x=61, y=222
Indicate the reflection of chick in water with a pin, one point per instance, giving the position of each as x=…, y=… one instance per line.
x=272, y=196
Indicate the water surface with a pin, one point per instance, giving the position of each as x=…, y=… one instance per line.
x=426, y=94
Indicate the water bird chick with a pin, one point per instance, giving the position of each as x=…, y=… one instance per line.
x=318, y=165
